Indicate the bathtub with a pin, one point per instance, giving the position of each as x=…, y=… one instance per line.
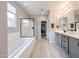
x=20, y=47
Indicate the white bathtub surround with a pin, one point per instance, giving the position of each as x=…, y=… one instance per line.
x=28, y=48
x=24, y=48
x=13, y=42
x=17, y=45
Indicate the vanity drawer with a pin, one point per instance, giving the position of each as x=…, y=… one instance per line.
x=64, y=37
x=65, y=41
x=65, y=47
x=66, y=44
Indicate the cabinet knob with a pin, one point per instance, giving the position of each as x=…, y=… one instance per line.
x=64, y=37
x=32, y=27
x=64, y=41
x=63, y=47
x=78, y=44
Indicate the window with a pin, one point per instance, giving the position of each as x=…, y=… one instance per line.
x=11, y=15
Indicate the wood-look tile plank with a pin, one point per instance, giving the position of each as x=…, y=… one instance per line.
x=44, y=49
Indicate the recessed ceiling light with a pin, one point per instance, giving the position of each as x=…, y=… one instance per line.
x=25, y=4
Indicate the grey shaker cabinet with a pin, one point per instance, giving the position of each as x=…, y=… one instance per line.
x=58, y=39
x=65, y=42
x=69, y=44
x=74, y=47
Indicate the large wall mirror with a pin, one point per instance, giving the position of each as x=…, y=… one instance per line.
x=27, y=27
x=63, y=23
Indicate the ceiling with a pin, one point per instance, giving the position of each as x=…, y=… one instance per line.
x=34, y=7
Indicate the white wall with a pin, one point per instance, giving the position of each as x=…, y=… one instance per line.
x=38, y=25
x=52, y=20
x=50, y=31
x=65, y=9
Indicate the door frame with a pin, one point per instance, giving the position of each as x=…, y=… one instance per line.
x=46, y=29
x=21, y=27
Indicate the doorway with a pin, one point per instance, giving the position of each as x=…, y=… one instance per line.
x=43, y=29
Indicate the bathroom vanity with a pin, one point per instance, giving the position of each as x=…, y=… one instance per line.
x=69, y=42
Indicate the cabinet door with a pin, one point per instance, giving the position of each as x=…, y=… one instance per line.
x=74, y=47
x=58, y=38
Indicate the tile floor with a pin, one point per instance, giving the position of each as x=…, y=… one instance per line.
x=44, y=49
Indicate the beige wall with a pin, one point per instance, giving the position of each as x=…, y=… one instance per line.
x=3, y=30
x=14, y=40
x=20, y=12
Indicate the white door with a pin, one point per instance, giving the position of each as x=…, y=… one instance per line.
x=27, y=27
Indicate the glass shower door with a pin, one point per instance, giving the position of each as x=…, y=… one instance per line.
x=27, y=27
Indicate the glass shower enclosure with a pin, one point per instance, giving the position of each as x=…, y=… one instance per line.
x=27, y=27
